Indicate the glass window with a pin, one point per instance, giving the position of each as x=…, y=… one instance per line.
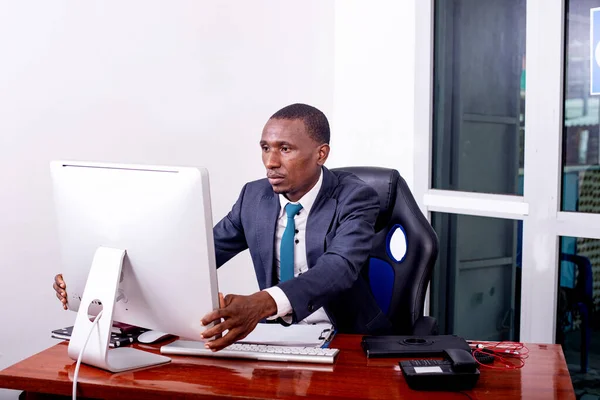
x=577, y=317
x=479, y=95
x=477, y=277
x=581, y=144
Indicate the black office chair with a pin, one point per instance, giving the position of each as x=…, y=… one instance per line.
x=577, y=300
x=399, y=279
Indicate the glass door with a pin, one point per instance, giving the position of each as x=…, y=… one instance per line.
x=578, y=293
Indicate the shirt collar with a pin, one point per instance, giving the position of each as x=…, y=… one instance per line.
x=307, y=200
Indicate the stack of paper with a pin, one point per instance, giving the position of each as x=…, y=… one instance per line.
x=293, y=335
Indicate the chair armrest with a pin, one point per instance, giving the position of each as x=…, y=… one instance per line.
x=425, y=326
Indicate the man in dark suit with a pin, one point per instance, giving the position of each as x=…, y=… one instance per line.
x=310, y=272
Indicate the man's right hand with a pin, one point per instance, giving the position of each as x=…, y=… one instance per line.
x=240, y=315
x=60, y=287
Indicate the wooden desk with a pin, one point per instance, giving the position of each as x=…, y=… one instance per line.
x=353, y=376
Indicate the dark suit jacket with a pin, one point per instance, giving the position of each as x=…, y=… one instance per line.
x=338, y=241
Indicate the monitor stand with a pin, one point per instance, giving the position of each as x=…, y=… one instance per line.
x=101, y=286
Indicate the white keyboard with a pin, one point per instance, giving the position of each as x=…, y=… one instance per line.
x=254, y=352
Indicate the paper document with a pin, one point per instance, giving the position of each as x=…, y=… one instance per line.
x=293, y=335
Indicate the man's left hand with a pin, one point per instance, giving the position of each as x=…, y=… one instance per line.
x=240, y=315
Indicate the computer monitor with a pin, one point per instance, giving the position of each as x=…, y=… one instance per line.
x=137, y=243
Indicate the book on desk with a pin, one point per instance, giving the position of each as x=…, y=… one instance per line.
x=121, y=334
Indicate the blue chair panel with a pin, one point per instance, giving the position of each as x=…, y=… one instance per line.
x=381, y=278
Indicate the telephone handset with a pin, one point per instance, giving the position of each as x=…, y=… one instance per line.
x=457, y=372
x=462, y=360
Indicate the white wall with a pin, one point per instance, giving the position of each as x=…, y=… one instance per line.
x=185, y=83
x=374, y=84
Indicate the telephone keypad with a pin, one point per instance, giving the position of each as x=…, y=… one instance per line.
x=427, y=363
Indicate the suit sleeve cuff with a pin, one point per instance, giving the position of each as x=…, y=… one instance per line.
x=284, y=307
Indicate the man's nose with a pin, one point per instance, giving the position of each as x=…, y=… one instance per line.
x=271, y=160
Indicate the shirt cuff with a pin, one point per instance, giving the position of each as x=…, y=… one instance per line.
x=284, y=307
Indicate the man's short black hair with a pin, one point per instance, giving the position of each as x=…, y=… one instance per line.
x=315, y=121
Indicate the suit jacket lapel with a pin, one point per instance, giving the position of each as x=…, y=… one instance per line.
x=267, y=212
x=320, y=218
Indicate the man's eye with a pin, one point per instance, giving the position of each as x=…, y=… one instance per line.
x=285, y=148
x=265, y=148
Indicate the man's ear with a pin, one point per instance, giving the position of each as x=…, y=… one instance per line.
x=323, y=153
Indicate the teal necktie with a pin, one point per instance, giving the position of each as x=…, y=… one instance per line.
x=286, y=251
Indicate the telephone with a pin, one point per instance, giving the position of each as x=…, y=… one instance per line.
x=457, y=372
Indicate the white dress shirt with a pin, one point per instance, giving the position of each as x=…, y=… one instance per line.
x=284, y=306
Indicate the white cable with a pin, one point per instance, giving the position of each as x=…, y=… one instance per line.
x=81, y=355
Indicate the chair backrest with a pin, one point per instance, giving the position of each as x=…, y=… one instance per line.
x=405, y=249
